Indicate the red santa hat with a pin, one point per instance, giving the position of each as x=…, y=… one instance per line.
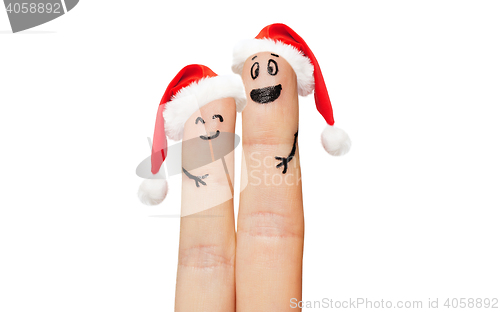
x=192, y=88
x=282, y=40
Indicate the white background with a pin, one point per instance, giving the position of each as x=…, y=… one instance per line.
x=411, y=213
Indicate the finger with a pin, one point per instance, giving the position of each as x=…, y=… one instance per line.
x=205, y=273
x=270, y=221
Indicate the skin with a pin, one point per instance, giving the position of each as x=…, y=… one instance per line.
x=263, y=271
x=270, y=221
x=205, y=273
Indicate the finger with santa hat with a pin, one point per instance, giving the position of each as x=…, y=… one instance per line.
x=205, y=272
x=199, y=107
x=275, y=67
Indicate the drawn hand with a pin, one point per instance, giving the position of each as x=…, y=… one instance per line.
x=197, y=179
x=285, y=160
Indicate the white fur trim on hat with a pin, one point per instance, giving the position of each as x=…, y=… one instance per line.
x=335, y=141
x=191, y=98
x=300, y=63
x=153, y=191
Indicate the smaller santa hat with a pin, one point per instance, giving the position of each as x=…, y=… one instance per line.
x=192, y=88
x=282, y=40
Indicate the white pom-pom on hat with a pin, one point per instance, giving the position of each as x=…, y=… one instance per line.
x=153, y=191
x=335, y=141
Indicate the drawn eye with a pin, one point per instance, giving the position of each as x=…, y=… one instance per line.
x=199, y=119
x=218, y=116
x=272, y=67
x=255, y=70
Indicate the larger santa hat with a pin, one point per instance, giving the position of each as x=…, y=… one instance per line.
x=282, y=40
x=192, y=88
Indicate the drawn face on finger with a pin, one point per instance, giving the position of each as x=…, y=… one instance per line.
x=267, y=78
x=208, y=137
x=216, y=133
x=211, y=120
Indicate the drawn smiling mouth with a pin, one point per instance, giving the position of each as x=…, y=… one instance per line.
x=203, y=137
x=266, y=95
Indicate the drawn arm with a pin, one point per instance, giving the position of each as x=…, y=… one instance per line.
x=285, y=160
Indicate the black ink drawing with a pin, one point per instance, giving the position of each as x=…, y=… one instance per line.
x=272, y=67
x=216, y=134
x=285, y=160
x=254, y=71
x=197, y=179
x=203, y=137
x=267, y=94
x=218, y=116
